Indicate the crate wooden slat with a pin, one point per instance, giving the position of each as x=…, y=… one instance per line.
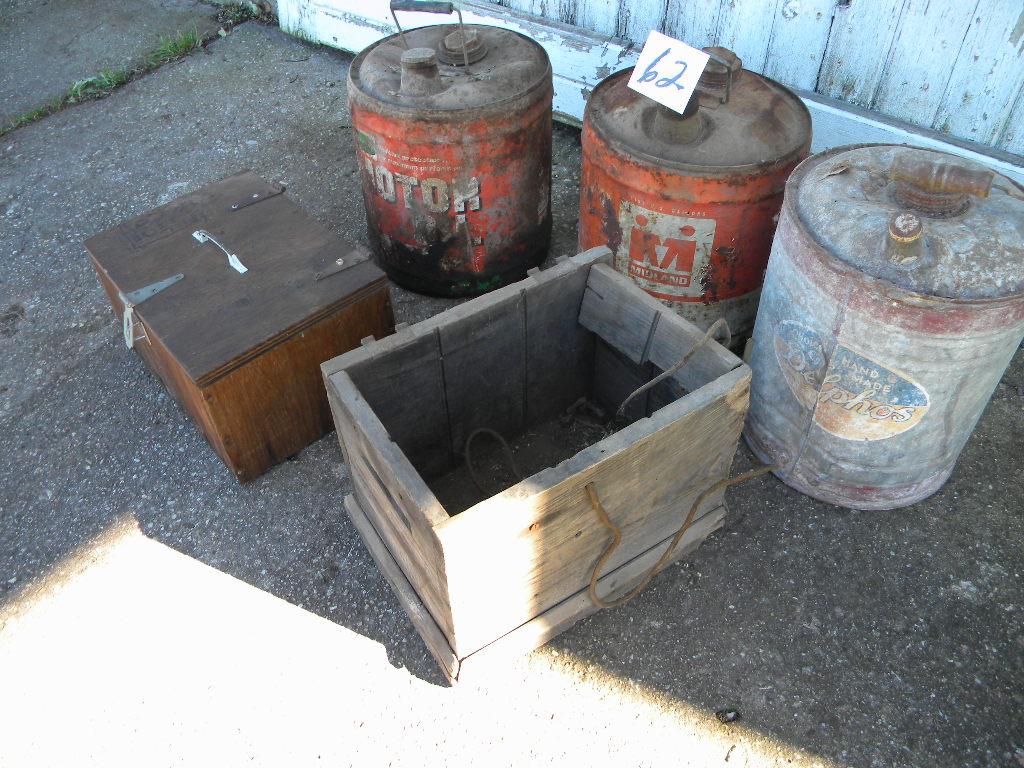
x=513, y=569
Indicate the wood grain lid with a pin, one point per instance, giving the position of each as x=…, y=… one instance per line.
x=283, y=278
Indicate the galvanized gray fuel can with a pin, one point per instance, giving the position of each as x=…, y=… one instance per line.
x=892, y=304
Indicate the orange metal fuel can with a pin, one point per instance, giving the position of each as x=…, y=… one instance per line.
x=689, y=202
x=453, y=137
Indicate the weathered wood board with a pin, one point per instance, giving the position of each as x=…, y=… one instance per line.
x=952, y=69
x=533, y=633
x=974, y=103
x=487, y=574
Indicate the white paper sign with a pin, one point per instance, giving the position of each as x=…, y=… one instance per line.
x=668, y=70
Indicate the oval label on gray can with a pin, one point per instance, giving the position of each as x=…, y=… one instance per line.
x=852, y=396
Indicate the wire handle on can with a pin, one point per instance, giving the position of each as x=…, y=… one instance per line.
x=606, y=521
x=429, y=6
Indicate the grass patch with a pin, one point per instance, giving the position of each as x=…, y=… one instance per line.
x=106, y=81
x=32, y=115
x=97, y=86
x=174, y=47
x=169, y=48
x=231, y=14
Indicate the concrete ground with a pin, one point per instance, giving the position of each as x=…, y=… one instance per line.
x=154, y=612
x=49, y=44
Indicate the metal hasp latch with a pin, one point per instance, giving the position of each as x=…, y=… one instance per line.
x=130, y=300
x=203, y=236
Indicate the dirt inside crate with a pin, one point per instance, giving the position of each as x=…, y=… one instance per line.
x=540, y=446
x=596, y=384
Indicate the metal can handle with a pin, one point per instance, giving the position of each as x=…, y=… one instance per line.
x=422, y=6
x=428, y=6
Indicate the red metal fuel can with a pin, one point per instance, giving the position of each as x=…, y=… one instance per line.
x=453, y=137
x=893, y=302
x=688, y=203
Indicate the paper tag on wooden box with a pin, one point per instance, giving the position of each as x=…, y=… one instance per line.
x=667, y=71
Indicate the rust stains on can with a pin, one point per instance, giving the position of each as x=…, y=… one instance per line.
x=887, y=318
x=688, y=203
x=455, y=161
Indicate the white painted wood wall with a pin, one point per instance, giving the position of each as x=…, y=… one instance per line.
x=954, y=66
x=829, y=50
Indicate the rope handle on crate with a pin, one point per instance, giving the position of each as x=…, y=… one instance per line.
x=719, y=323
x=606, y=521
x=505, y=447
x=591, y=492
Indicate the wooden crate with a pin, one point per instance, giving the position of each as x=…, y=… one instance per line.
x=512, y=571
x=241, y=351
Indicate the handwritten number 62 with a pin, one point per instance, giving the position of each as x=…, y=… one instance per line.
x=652, y=74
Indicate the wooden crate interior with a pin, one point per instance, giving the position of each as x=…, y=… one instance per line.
x=516, y=368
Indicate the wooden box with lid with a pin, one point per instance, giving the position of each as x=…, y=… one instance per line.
x=234, y=296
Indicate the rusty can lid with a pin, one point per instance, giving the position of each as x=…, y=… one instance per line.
x=738, y=120
x=503, y=65
x=926, y=221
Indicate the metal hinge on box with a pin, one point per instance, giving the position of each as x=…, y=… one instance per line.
x=130, y=300
x=276, y=188
x=357, y=255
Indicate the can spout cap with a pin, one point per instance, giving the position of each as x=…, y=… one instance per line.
x=462, y=47
x=937, y=189
x=669, y=126
x=722, y=68
x=905, y=244
x=420, y=76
